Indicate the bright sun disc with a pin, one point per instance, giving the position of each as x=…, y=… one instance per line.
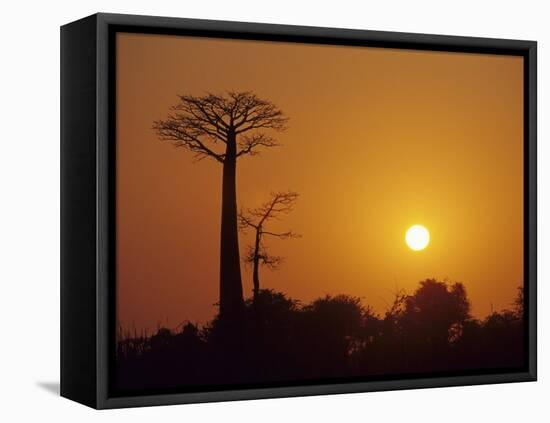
x=417, y=237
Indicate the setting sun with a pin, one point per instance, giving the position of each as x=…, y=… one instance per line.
x=417, y=237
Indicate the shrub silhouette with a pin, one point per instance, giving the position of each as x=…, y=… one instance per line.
x=281, y=340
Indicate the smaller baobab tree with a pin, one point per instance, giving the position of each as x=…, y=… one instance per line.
x=257, y=219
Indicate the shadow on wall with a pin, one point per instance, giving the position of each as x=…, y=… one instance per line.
x=51, y=387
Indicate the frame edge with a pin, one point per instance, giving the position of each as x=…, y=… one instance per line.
x=78, y=215
x=104, y=21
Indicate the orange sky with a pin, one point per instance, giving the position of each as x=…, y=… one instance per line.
x=378, y=140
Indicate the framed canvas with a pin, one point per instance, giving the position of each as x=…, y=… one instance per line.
x=256, y=211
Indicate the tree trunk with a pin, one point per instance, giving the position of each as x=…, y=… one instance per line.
x=256, y=270
x=231, y=290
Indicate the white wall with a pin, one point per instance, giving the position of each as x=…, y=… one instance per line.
x=29, y=212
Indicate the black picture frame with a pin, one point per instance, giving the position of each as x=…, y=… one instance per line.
x=88, y=166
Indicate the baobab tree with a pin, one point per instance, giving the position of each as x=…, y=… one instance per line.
x=257, y=219
x=224, y=128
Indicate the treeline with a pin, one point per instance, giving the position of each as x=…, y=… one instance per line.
x=278, y=339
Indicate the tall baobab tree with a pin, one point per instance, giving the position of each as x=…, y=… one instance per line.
x=257, y=219
x=224, y=128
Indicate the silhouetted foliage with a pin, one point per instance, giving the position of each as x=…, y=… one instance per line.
x=519, y=303
x=282, y=340
x=434, y=313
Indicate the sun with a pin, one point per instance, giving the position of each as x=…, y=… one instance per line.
x=417, y=237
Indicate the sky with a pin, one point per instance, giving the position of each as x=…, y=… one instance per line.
x=378, y=140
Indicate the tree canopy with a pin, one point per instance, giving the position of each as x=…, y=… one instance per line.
x=201, y=123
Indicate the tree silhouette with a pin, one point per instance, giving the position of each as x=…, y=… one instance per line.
x=519, y=301
x=435, y=312
x=257, y=219
x=224, y=128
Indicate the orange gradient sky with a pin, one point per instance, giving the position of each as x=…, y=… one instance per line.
x=378, y=140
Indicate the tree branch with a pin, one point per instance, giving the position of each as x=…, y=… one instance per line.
x=247, y=144
x=186, y=137
x=282, y=235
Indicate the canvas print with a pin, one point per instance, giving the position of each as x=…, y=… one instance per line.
x=291, y=213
